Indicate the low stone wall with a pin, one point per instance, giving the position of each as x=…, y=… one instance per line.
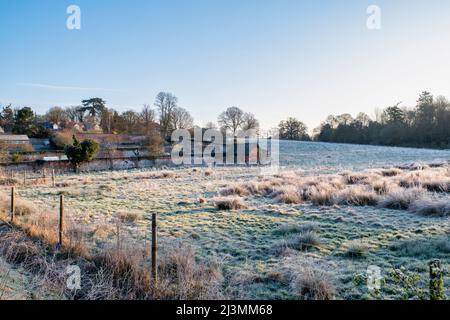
x=95, y=165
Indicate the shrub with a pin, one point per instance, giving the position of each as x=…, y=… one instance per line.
x=314, y=284
x=79, y=153
x=61, y=139
x=304, y=241
x=356, y=196
x=16, y=158
x=155, y=143
x=320, y=196
x=229, y=203
x=391, y=172
x=429, y=207
x=401, y=199
x=288, y=195
x=234, y=189
x=355, y=178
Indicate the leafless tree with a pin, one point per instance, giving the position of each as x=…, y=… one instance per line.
x=74, y=114
x=56, y=115
x=250, y=122
x=148, y=118
x=166, y=103
x=231, y=120
x=181, y=119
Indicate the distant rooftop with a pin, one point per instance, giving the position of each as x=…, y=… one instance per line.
x=14, y=137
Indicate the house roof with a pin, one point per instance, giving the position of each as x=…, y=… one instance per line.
x=14, y=137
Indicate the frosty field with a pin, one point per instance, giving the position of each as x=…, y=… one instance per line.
x=286, y=242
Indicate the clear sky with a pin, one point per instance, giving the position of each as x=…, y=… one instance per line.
x=274, y=58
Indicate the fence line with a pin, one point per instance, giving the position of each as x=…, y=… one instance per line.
x=436, y=284
x=154, y=248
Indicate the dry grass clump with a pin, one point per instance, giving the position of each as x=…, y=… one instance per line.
x=429, y=207
x=391, y=188
x=234, y=189
x=263, y=187
x=434, y=180
x=401, y=199
x=356, y=196
x=129, y=217
x=16, y=248
x=209, y=172
x=297, y=228
x=229, y=203
x=103, y=231
x=116, y=272
x=437, y=185
x=24, y=208
x=288, y=195
x=321, y=195
x=356, y=248
x=123, y=274
x=390, y=172
x=355, y=178
x=38, y=223
x=429, y=248
x=314, y=284
x=181, y=277
x=304, y=241
x=383, y=186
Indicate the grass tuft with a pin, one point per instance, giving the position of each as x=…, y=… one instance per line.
x=314, y=284
x=229, y=203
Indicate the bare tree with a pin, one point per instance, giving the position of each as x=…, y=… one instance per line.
x=74, y=114
x=106, y=120
x=56, y=115
x=250, y=122
x=148, y=118
x=232, y=119
x=181, y=119
x=166, y=103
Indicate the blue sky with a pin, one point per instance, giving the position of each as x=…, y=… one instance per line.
x=274, y=58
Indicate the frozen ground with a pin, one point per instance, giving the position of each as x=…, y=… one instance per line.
x=251, y=243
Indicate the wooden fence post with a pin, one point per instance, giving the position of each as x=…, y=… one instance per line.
x=436, y=281
x=61, y=219
x=118, y=236
x=13, y=205
x=154, y=252
x=53, y=177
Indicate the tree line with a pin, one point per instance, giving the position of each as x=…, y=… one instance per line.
x=427, y=124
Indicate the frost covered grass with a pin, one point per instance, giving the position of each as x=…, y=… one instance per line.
x=268, y=232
